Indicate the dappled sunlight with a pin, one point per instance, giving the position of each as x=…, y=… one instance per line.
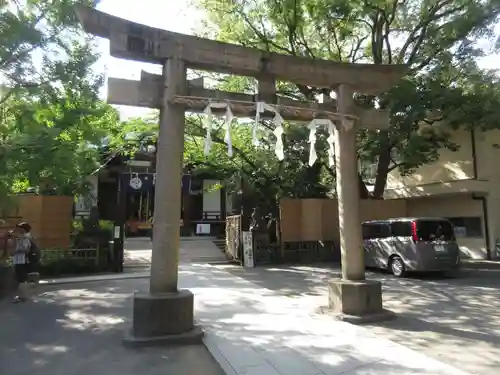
x=47, y=349
x=456, y=320
x=252, y=318
x=75, y=319
x=268, y=314
x=82, y=298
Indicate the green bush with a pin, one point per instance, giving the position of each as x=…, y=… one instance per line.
x=92, y=233
x=71, y=267
x=56, y=263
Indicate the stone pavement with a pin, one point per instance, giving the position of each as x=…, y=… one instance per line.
x=250, y=329
x=193, y=250
x=454, y=320
x=76, y=326
x=77, y=329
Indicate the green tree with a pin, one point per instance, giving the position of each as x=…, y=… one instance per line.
x=266, y=176
x=32, y=34
x=133, y=134
x=434, y=37
x=53, y=125
x=54, y=139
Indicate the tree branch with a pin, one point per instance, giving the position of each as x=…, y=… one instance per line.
x=237, y=150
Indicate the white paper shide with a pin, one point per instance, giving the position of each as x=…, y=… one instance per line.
x=347, y=123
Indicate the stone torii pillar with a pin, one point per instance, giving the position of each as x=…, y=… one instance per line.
x=166, y=314
x=351, y=298
x=346, y=164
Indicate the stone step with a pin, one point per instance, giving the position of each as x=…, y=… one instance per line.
x=220, y=243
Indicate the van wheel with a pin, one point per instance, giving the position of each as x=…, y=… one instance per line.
x=397, y=267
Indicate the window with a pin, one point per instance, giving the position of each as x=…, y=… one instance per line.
x=467, y=226
x=429, y=230
x=375, y=230
x=401, y=229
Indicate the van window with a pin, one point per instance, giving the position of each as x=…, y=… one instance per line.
x=375, y=230
x=401, y=229
x=429, y=230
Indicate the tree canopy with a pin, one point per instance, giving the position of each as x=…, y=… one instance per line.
x=52, y=123
x=435, y=38
x=266, y=176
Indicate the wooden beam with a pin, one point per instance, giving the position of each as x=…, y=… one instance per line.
x=148, y=93
x=130, y=40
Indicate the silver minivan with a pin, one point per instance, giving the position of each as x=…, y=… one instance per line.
x=411, y=244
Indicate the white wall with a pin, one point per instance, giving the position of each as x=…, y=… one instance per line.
x=211, y=196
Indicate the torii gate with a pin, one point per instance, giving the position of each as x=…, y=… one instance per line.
x=166, y=313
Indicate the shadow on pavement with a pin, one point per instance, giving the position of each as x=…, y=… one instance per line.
x=77, y=329
x=455, y=320
x=249, y=319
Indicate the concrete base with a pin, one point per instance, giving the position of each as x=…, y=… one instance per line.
x=163, y=319
x=356, y=302
x=193, y=337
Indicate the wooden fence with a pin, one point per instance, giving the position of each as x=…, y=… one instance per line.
x=303, y=220
x=50, y=218
x=310, y=227
x=92, y=255
x=233, y=236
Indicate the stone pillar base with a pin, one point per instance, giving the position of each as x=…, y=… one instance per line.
x=163, y=319
x=356, y=302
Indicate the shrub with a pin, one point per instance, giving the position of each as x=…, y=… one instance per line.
x=92, y=233
x=73, y=262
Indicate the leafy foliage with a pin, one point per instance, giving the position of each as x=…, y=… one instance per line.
x=33, y=34
x=433, y=37
x=52, y=123
x=268, y=177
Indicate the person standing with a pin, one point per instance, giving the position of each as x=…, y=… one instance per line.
x=22, y=247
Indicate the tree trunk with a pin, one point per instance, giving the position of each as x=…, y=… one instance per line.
x=384, y=161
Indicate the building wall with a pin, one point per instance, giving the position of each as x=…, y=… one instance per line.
x=211, y=197
x=450, y=166
x=454, y=173
x=487, y=154
x=317, y=219
x=457, y=165
x=460, y=208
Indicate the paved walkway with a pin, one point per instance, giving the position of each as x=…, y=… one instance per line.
x=254, y=330
x=76, y=324
x=454, y=320
x=193, y=250
x=77, y=329
x=249, y=330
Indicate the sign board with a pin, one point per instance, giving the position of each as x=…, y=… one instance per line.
x=202, y=228
x=138, y=163
x=144, y=182
x=248, y=260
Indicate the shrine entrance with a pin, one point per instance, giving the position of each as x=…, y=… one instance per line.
x=135, y=210
x=138, y=198
x=350, y=296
